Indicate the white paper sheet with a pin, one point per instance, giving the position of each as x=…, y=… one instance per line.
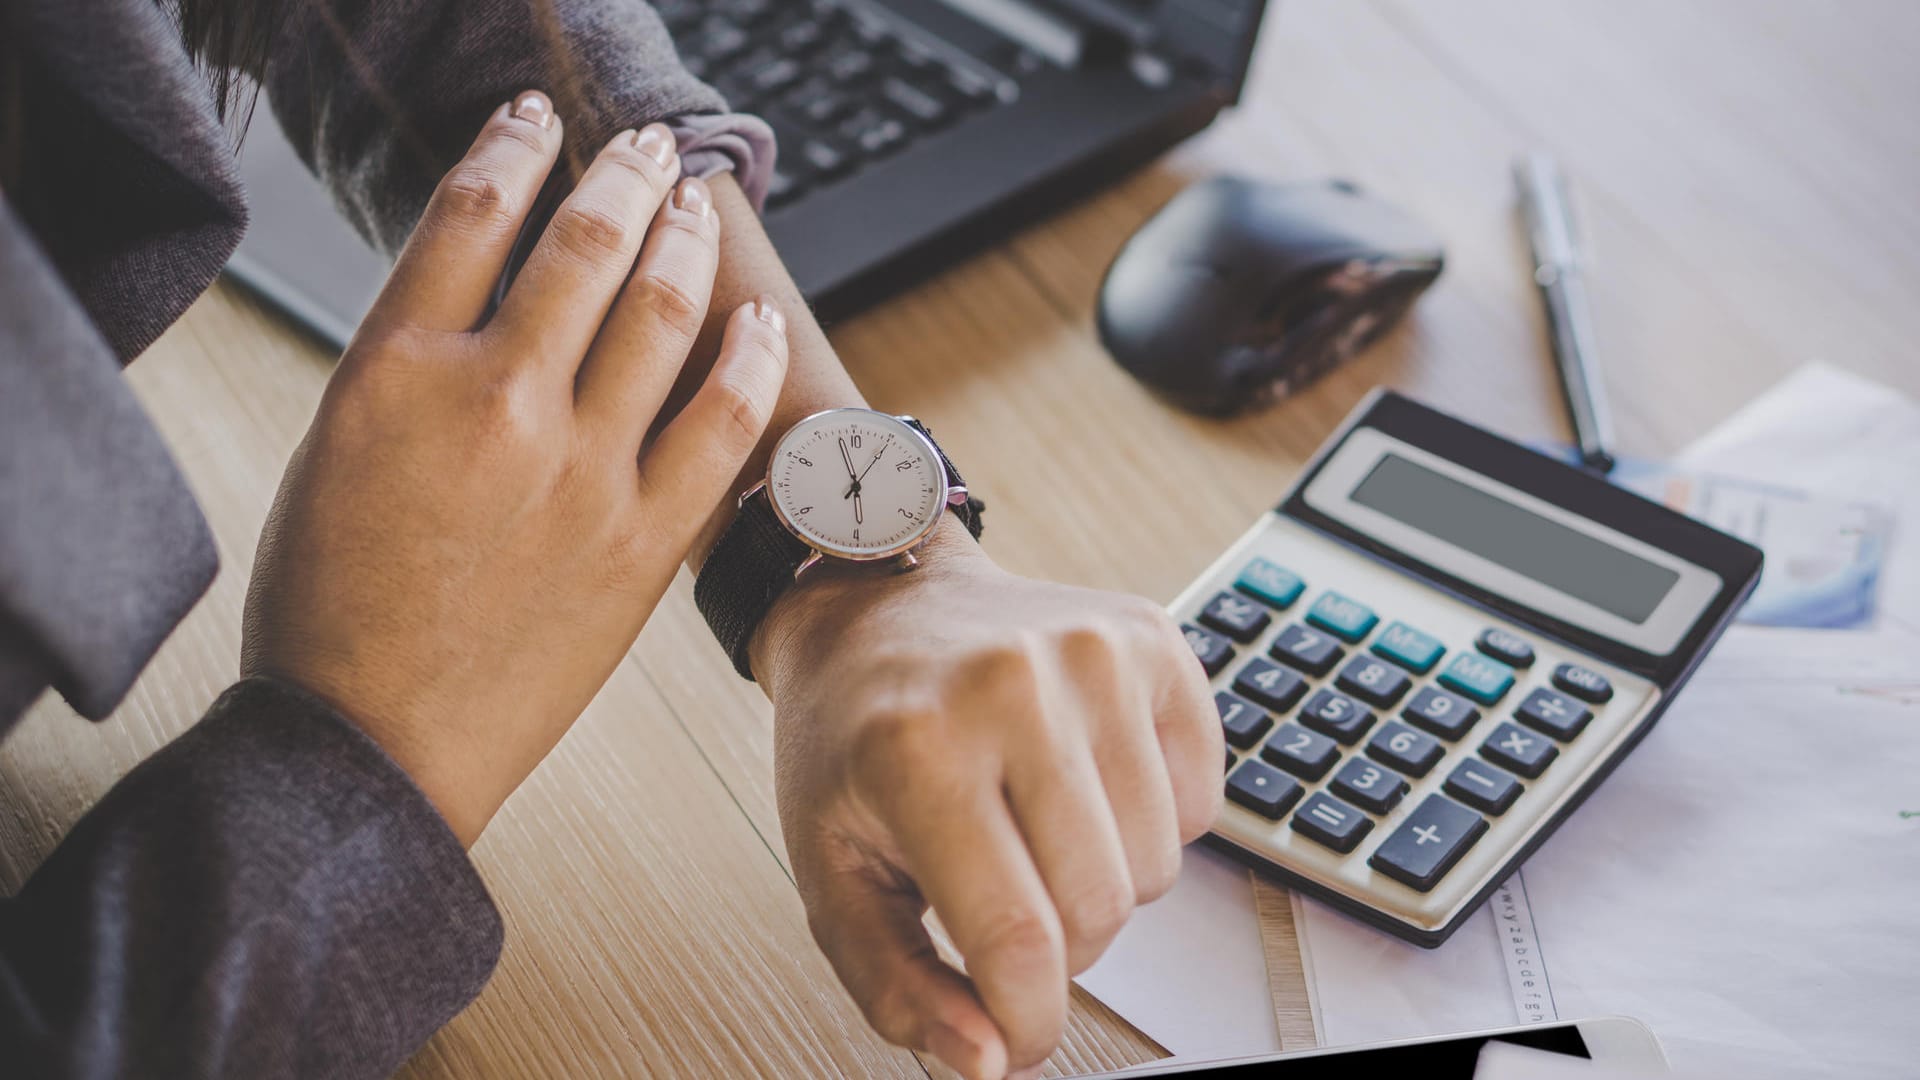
x=1747, y=883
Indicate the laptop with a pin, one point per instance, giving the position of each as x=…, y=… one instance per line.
x=911, y=132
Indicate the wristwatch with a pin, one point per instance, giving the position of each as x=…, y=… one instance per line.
x=853, y=485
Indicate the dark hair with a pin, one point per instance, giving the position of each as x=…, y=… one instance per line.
x=229, y=40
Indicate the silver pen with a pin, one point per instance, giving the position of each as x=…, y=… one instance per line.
x=1557, y=269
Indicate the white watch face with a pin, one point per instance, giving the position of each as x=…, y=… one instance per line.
x=856, y=483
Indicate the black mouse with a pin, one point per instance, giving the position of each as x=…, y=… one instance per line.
x=1239, y=292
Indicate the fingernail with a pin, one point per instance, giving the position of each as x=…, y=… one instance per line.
x=768, y=312
x=693, y=196
x=951, y=1047
x=534, y=108
x=656, y=142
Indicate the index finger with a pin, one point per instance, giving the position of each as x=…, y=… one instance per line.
x=445, y=276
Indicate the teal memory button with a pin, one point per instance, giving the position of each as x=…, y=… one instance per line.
x=1411, y=649
x=1341, y=617
x=1270, y=583
x=1485, y=681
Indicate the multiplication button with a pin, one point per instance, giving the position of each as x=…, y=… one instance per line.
x=1428, y=843
x=1518, y=750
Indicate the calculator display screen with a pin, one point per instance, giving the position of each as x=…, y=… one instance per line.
x=1559, y=557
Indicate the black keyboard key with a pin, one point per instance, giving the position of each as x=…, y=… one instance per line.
x=849, y=65
x=720, y=42
x=1311, y=651
x=1412, y=752
x=1306, y=754
x=1446, y=715
x=1482, y=786
x=1212, y=649
x=1510, y=649
x=1583, y=683
x=824, y=158
x=1516, y=749
x=926, y=109
x=1368, y=786
x=1262, y=789
x=1428, y=843
x=873, y=131
x=1555, y=714
x=1374, y=681
x=802, y=37
x=1331, y=822
x=775, y=76
x=1270, y=684
x=1235, y=616
x=1336, y=714
x=1241, y=721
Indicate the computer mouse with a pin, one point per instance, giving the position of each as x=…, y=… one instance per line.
x=1239, y=292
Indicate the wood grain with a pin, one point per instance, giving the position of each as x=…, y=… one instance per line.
x=1746, y=169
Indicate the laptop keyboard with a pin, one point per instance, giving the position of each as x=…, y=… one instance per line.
x=841, y=91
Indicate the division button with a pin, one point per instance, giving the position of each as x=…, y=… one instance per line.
x=1555, y=714
x=1263, y=789
x=1332, y=822
x=1309, y=650
x=1211, y=648
x=1241, y=721
x=1428, y=843
x=1508, y=648
x=1583, y=683
x=1518, y=750
x=1269, y=684
x=1306, y=754
x=1369, y=786
x=1482, y=786
x=1235, y=616
x=1446, y=715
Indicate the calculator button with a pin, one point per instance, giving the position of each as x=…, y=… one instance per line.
x=1262, y=789
x=1375, y=682
x=1369, y=786
x=1482, y=786
x=1428, y=843
x=1235, y=616
x=1306, y=754
x=1519, y=750
x=1331, y=822
x=1341, y=617
x=1309, y=650
x=1583, y=683
x=1270, y=684
x=1446, y=715
x=1509, y=649
x=1241, y=720
x=1410, y=648
x=1338, y=715
x=1555, y=714
x=1229, y=767
x=1412, y=752
x=1211, y=648
x=1270, y=583
x=1485, y=681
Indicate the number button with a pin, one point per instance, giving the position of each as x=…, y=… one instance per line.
x=1519, y=750
x=1508, y=648
x=1482, y=786
x=1446, y=715
x=1241, y=721
x=1375, y=682
x=1485, y=681
x=1410, y=751
x=1306, y=754
x=1211, y=649
x=1428, y=843
x=1235, y=616
x=1349, y=620
x=1368, y=786
x=1309, y=650
x=1270, y=583
x=1270, y=684
x=1331, y=822
x=1554, y=714
x=1262, y=789
x=1338, y=715
x=1583, y=683
x=1410, y=648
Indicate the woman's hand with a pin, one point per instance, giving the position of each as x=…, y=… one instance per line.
x=476, y=526
x=1026, y=758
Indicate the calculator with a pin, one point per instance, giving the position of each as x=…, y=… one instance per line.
x=1433, y=650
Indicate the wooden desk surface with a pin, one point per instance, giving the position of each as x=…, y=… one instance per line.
x=1748, y=170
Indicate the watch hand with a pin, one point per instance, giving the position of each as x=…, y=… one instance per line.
x=876, y=459
x=858, y=518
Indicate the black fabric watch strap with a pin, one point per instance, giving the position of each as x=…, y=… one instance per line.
x=755, y=559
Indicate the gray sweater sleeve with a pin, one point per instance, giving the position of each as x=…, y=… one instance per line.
x=381, y=97
x=268, y=896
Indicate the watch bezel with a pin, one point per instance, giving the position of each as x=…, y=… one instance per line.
x=905, y=547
